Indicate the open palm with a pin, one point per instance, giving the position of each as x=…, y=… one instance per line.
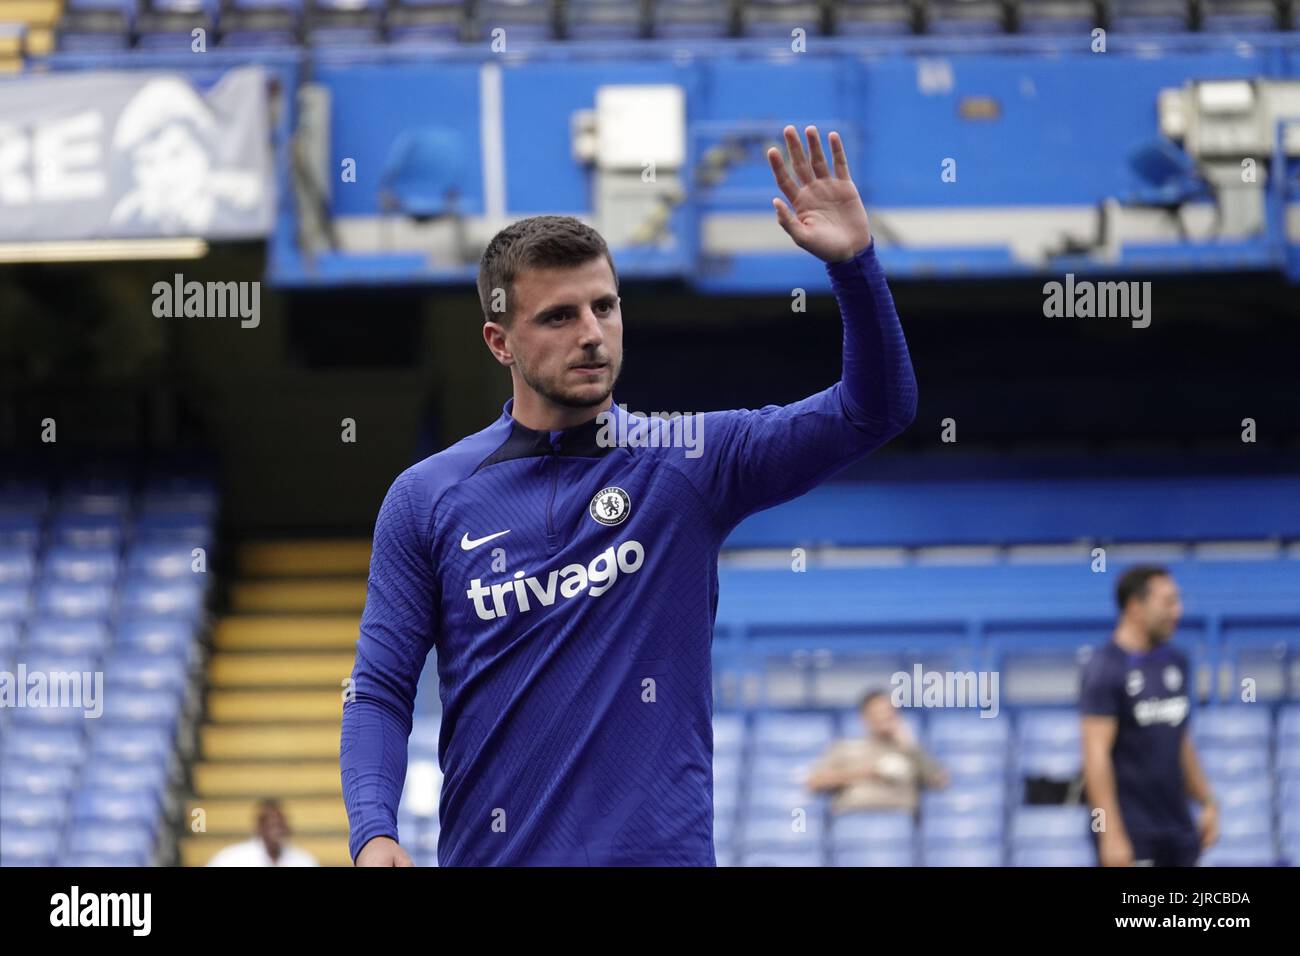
x=825, y=216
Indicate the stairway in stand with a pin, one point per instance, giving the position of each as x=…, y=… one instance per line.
x=274, y=697
x=26, y=29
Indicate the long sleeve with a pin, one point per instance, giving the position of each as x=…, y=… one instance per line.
x=397, y=632
x=756, y=459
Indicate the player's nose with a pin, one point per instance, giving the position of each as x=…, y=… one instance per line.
x=589, y=333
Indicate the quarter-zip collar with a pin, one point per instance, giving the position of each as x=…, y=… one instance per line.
x=579, y=441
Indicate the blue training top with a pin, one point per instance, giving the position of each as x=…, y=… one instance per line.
x=570, y=586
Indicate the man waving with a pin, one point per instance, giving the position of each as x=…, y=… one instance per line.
x=570, y=583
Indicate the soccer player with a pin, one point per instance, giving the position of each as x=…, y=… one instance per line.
x=1139, y=762
x=569, y=582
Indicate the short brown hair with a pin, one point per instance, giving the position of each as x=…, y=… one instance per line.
x=537, y=242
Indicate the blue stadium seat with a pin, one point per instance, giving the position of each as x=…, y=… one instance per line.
x=127, y=671
x=779, y=18
x=185, y=493
x=23, y=846
x=1245, y=796
x=690, y=19
x=24, y=497
x=248, y=24
x=128, y=808
x=1245, y=825
x=1270, y=657
x=343, y=22
x=1049, y=729
x=943, y=830
x=785, y=683
x=1229, y=764
x=726, y=794
x=1239, y=16
x=1288, y=724
x=87, y=530
x=74, y=600
x=424, y=736
x=974, y=855
x=985, y=767
x=138, y=744
x=210, y=7
x=142, y=708
x=522, y=20
x=17, y=565
x=110, y=496
x=425, y=840
x=873, y=827
x=96, y=25
x=426, y=21
x=1259, y=851
x=779, y=828
x=48, y=717
x=728, y=734
x=178, y=598
x=161, y=561
x=108, y=774
x=887, y=856
x=192, y=528
x=1289, y=820
x=30, y=811
x=953, y=731
x=726, y=767
x=603, y=20
x=157, y=634
x=1288, y=758
x=1056, y=17
x=15, y=602
x=964, y=17
x=865, y=18
x=21, y=530
x=133, y=840
x=776, y=799
x=1048, y=825
x=982, y=800
x=81, y=565
x=114, y=860
x=1051, y=763
x=769, y=768
x=1149, y=16
x=8, y=638
x=1041, y=675
x=805, y=734
x=1074, y=855
x=53, y=662
x=767, y=856
x=52, y=780
x=45, y=745
x=67, y=636
x=1232, y=726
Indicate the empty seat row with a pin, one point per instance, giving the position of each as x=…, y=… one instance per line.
x=169, y=24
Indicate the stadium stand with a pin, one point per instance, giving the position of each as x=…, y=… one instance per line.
x=98, y=577
x=98, y=25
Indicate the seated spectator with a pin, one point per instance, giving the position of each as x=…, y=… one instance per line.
x=270, y=847
x=885, y=770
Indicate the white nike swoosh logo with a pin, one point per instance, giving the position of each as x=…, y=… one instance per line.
x=466, y=544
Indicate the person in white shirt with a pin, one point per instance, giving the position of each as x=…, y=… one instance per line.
x=270, y=847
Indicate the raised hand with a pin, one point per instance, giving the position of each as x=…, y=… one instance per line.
x=828, y=218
